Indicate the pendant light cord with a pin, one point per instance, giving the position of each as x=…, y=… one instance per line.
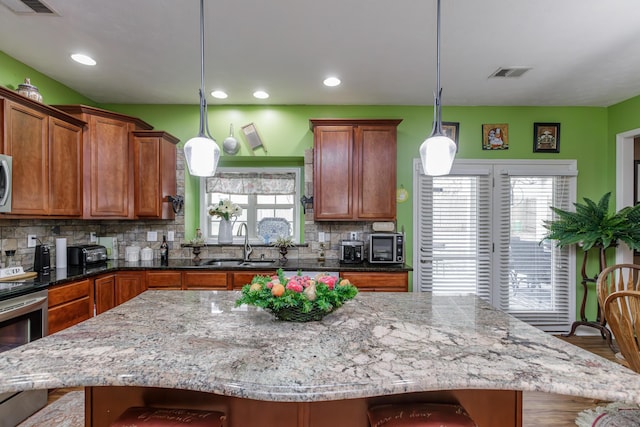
x=204, y=120
x=437, y=95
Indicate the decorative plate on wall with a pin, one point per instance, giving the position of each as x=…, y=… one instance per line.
x=272, y=228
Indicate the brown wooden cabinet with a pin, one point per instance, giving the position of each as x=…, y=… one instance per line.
x=154, y=173
x=241, y=278
x=164, y=279
x=46, y=146
x=128, y=285
x=354, y=169
x=108, y=162
x=204, y=280
x=379, y=282
x=105, y=293
x=69, y=304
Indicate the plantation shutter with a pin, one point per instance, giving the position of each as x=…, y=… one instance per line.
x=480, y=230
x=541, y=276
x=454, y=225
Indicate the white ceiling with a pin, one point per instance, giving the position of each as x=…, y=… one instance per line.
x=582, y=52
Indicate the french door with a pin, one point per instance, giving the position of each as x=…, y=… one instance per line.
x=481, y=230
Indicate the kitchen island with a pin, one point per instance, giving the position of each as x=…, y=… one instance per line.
x=196, y=349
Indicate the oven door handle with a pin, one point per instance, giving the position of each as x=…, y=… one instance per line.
x=23, y=309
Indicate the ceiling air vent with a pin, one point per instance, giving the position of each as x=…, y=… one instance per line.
x=28, y=7
x=510, y=72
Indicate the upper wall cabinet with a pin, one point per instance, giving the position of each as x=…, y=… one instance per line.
x=46, y=147
x=154, y=173
x=108, y=157
x=354, y=169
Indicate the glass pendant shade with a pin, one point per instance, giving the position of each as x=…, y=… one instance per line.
x=202, y=155
x=437, y=154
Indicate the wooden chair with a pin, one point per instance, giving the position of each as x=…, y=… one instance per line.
x=619, y=277
x=622, y=311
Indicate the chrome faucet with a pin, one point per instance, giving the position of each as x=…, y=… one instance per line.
x=247, y=249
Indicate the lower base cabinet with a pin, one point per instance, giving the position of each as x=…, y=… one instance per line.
x=105, y=293
x=129, y=284
x=69, y=304
x=378, y=282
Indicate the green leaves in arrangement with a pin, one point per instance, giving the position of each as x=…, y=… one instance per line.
x=592, y=225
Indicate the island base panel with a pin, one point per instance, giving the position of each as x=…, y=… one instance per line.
x=488, y=408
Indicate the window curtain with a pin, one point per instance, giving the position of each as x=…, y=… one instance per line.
x=252, y=183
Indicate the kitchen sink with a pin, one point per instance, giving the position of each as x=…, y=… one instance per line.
x=239, y=263
x=224, y=262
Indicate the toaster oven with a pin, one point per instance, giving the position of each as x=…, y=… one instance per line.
x=386, y=248
x=83, y=255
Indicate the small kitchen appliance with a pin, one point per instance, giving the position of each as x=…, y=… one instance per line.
x=83, y=255
x=351, y=251
x=386, y=248
x=42, y=260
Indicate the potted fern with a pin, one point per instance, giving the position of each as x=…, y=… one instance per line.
x=592, y=225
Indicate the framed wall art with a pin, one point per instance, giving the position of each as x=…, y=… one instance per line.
x=546, y=137
x=451, y=129
x=495, y=136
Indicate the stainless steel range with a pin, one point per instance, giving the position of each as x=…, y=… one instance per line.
x=23, y=318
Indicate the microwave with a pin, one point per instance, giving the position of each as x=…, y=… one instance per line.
x=6, y=163
x=386, y=248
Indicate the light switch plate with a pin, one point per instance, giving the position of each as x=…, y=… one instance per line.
x=170, y=236
x=152, y=236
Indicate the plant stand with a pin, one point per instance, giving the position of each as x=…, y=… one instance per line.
x=600, y=322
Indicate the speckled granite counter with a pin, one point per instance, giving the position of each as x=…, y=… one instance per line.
x=377, y=344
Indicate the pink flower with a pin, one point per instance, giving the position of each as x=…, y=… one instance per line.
x=271, y=283
x=330, y=281
x=294, y=285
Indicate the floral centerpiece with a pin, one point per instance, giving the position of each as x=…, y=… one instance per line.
x=225, y=209
x=298, y=298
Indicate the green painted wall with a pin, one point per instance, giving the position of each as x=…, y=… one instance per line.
x=587, y=133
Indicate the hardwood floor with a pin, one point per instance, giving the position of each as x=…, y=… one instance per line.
x=544, y=409
x=539, y=409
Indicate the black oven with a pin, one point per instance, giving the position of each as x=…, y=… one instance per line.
x=23, y=318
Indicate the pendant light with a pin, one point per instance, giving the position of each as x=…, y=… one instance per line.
x=201, y=152
x=438, y=151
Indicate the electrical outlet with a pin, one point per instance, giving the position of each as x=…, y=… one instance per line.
x=92, y=237
x=354, y=235
x=321, y=236
x=152, y=236
x=170, y=236
x=32, y=241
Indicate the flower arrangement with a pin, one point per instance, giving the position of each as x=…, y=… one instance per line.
x=298, y=298
x=283, y=242
x=225, y=209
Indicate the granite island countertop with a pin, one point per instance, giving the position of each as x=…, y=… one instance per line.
x=377, y=344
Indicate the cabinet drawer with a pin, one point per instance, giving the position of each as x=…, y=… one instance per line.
x=69, y=314
x=205, y=280
x=164, y=280
x=389, y=282
x=244, y=278
x=69, y=292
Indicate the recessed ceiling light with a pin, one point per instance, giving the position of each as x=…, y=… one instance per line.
x=83, y=59
x=331, y=81
x=260, y=94
x=220, y=94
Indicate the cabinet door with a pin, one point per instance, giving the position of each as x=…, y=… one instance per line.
x=128, y=285
x=204, y=280
x=376, y=178
x=26, y=140
x=164, y=280
x=379, y=282
x=333, y=169
x=154, y=173
x=65, y=168
x=105, y=292
x=110, y=169
x=69, y=304
x=244, y=278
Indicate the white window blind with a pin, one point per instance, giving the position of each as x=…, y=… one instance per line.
x=479, y=230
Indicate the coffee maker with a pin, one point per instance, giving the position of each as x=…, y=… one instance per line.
x=42, y=260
